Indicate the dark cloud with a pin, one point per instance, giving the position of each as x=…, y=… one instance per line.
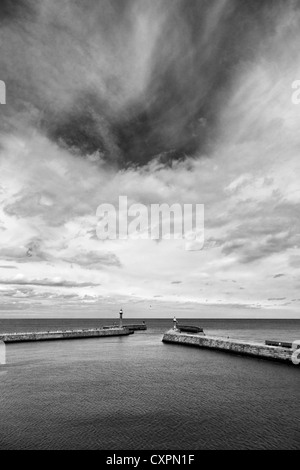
x=277, y=298
x=176, y=282
x=31, y=293
x=24, y=254
x=278, y=275
x=249, y=251
x=127, y=80
x=45, y=282
x=94, y=259
x=265, y=228
x=13, y=10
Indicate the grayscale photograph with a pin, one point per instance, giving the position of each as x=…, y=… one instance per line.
x=149, y=227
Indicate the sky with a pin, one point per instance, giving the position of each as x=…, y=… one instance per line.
x=162, y=101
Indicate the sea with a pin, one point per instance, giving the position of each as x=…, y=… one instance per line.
x=135, y=392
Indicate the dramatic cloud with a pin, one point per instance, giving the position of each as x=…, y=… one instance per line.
x=127, y=81
x=163, y=101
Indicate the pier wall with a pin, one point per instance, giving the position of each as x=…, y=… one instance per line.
x=66, y=334
x=230, y=345
x=136, y=327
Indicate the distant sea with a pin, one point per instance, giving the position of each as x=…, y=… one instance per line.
x=135, y=392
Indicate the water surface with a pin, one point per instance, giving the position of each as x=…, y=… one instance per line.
x=137, y=393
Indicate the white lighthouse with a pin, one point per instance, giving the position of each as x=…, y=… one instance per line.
x=121, y=317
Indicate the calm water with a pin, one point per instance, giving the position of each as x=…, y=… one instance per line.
x=137, y=393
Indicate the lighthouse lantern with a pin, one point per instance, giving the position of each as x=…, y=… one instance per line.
x=121, y=317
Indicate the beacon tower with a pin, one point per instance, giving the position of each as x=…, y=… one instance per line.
x=121, y=317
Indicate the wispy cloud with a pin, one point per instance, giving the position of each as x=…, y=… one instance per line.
x=161, y=101
x=45, y=282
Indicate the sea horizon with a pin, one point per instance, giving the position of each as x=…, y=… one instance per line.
x=136, y=392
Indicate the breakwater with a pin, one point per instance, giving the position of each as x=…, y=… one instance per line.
x=131, y=326
x=63, y=334
x=253, y=349
x=136, y=326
